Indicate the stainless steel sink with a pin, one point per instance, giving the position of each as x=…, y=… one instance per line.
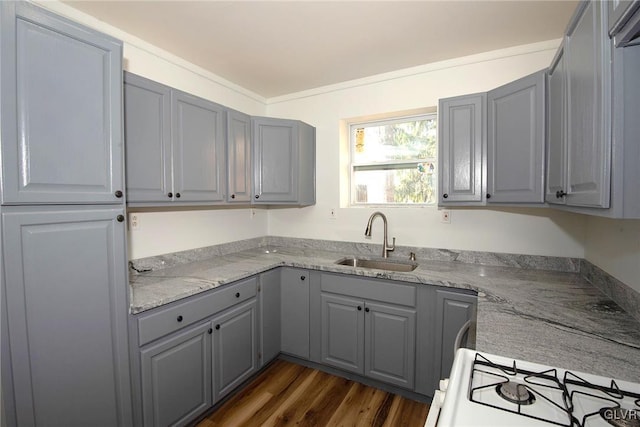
x=378, y=264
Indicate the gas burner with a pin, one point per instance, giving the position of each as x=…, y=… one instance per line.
x=515, y=393
x=621, y=417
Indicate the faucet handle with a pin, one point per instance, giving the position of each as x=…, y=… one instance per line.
x=393, y=245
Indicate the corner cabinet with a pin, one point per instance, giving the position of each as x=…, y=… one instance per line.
x=238, y=157
x=175, y=145
x=516, y=140
x=462, y=149
x=294, y=306
x=61, y=135
x=593, y=147
x=284, y=162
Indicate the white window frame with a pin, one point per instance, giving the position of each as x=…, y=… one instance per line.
x=387, y=165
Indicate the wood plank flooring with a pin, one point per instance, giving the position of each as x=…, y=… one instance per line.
x=286, y=394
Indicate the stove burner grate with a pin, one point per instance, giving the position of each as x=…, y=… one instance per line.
x=515, y=392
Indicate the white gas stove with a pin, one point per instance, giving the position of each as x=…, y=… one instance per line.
x=490, y=390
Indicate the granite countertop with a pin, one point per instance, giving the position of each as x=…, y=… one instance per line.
x=548, y=317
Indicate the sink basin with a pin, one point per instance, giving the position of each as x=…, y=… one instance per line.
x=378, y=264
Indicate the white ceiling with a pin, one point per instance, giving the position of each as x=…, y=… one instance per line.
x=278, y=47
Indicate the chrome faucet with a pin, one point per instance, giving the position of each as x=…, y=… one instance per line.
x=385, y=243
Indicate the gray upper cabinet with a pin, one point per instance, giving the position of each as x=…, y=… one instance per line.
x=283, y=162
x=238, y=157
x=198, y=149
x=587, y=61
x=294, y=306
x=175, y=145
x=515, y=141
x=624, y=21
x=147, y=133
x=556, y=131
x=67, y=303
x=176, y=377
x=61, y=134
x=461, y=150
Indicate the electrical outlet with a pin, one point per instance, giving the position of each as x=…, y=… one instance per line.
x=445, y=217
x=134, y=222
x=333, y=213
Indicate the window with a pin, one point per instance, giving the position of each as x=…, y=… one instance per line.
x=393, y=162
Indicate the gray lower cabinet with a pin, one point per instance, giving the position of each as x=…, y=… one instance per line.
x=453, y=311
x=175, y=145
x=60, y=135
x=462, y=149
x=516, y=141
x=194, y=352
x=65, y=357
x=270, y=303
x=368, y=336
x=294, y=311
x=238, y=157
x=235, y=347
x=284, y=167
x=176, y=377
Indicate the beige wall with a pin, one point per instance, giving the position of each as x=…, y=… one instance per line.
x=614, y=246
x=528, y=231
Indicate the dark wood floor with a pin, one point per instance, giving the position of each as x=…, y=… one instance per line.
x=286, y=394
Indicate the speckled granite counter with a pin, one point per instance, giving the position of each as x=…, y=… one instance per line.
x=554, y=318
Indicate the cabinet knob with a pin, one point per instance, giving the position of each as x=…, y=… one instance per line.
x=178, y=195
x=217, y=327
x=359, y=308
x=179, y=318
x=233, y=196
x=445, y=196
x=488, y=196
x=237, y=294
x=170, y=194
x=120, y=218
x=118, y=194
x=560, y=194
x=366, y=309
x=210, y=331
x=303, y=277
x=257, y=196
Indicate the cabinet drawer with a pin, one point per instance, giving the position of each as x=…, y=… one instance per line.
x=166, y=320
x=371, y=289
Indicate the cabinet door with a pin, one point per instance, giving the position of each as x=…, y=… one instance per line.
x=198, y=149
x=453, y=310
x=270, y=315
x=461, y=149
x=235, y=347
x=238, y=157
x=147, y=133
x=295, y=312
x=342, y=321
x=515, y=142
x=176, y=377
x=556, y=131
x=61, y=126
x=66, y=300
x=587, y=56
x=390, y=344
x=276, y=160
